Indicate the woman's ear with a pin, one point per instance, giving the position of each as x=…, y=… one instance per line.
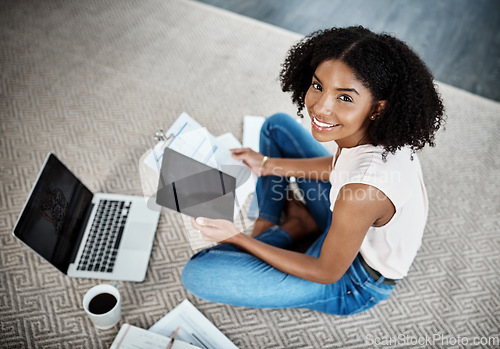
x=377, y=108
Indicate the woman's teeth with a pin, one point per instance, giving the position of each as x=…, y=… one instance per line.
x=321, y=124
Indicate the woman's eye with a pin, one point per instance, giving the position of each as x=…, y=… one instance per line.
x=345, y=98
x=316, y=86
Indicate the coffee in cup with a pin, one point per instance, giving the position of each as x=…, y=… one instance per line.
x=102, y=305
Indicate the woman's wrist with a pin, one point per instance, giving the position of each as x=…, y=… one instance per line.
x=236, y=240
x=263, y=163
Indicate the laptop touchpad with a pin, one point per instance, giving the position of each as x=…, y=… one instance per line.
x=134, y=238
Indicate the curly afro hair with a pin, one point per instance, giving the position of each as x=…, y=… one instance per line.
x=388, y=68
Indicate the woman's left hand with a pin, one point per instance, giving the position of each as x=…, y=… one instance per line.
x=217, y=230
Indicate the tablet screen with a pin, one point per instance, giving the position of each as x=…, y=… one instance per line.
x=193, y=188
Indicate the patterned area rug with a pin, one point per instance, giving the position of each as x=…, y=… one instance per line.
x=93, y=80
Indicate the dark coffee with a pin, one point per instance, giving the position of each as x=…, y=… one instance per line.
x=102, y=303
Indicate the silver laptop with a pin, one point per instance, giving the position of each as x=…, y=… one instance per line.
x=103, y=236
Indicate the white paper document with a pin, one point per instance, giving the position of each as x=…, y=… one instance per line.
x=132, y=337
x=187, y=137
x=195, y=328
x=251, y=139
x=251, y=131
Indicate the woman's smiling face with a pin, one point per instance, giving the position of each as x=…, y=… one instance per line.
x=339, y=105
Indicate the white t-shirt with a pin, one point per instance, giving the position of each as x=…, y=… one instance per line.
x=389, y=249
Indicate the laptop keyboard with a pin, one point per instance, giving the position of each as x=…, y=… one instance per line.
x=102, y=244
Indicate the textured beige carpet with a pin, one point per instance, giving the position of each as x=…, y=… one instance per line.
x=92, y=81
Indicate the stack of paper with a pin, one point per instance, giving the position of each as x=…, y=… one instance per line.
x=132, y=337
x=195, y=328
x=195, y=331
x=190, y=138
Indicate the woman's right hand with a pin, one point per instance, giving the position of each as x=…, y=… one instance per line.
x=251, y=158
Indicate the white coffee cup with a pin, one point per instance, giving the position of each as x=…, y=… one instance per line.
x=102, y=304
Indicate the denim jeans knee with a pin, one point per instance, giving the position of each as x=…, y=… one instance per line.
x=278, y=118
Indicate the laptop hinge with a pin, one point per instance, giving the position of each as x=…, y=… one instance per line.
x=81, y=232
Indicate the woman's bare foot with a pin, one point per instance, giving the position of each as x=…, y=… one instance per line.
x=299, y=223
x=260, y=226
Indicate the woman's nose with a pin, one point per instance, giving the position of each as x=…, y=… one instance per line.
x=324, y=105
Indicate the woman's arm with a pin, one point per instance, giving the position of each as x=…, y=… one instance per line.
x=318, y=168
x=312, y=168
x=357, y=207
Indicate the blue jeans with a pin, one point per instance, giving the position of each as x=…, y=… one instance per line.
x=225, y=274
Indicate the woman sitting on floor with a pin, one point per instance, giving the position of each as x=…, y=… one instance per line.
x=366, y=204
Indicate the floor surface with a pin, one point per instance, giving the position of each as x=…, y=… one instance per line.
x=459, y=40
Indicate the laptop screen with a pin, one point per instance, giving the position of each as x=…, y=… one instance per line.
x=193, y=188
x=54, y=213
